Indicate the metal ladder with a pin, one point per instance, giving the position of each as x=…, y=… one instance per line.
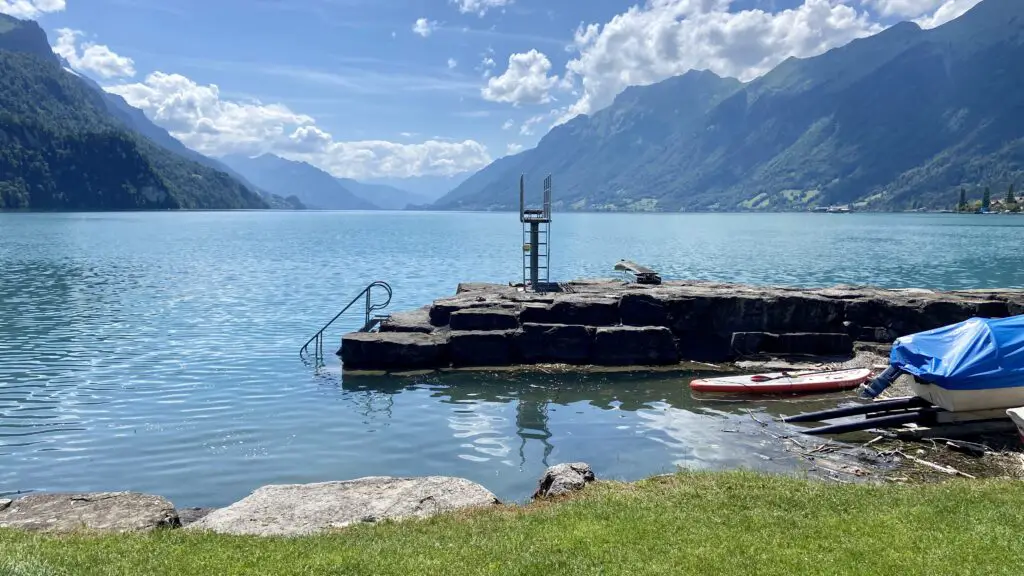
x=370, y=319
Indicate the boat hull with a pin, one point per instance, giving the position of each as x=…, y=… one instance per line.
x=970, y=400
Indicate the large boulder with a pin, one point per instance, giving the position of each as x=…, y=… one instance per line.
x=95, y=511
x=393, y=351
x=411, y=321
x=634, y=346
x=297, y=509
x=554, y=343
x=479, y=319
x=564, y=479
x=490, y=348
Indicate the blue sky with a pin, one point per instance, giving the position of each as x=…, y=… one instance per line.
x=368, y=88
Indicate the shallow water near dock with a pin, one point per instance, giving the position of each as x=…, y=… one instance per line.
x=158, y=352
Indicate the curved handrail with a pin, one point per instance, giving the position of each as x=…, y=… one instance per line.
x=370, y=308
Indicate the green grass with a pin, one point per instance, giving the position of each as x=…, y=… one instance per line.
x=691, y=523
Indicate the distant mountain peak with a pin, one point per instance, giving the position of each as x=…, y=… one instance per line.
x=25, y=36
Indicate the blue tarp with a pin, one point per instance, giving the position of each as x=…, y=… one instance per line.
x=977, y=354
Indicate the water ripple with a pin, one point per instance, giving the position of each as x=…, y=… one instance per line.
x=158, y=352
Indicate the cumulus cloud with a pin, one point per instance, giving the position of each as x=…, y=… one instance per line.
x=526, y=81
x=664, y=38
x=90, y=57
x=424, y=27
x=949, y=10
x=30, y=8
x=452, y=63
x=508, y=125
x=479, y=7
x=205, y=121
x=513, y=148
x=905, y=8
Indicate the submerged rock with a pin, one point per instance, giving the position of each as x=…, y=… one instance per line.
x=296, y=509
x=98, y=511
x=564, y=479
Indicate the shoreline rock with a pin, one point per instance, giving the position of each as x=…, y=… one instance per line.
x=299, y=509
x=564, y=479
x=95, y=511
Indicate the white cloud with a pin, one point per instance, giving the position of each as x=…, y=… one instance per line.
x=526, y=81
x=905, y=8
x=203, y=120
x=508, y=125
x=669, y=37
x=513, y=148
x=30, y=8
x=949, y=10
x=452, y=63
x=95, y=58
x=479, y=7
x=528, y=127
x=424, y=27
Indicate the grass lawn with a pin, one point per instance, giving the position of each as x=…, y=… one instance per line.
x=690, y=523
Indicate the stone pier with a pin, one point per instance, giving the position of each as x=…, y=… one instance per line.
x=614, y=323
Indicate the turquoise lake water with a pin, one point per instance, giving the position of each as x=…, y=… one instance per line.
x=159, y=352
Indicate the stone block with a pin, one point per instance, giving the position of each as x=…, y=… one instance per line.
x=553, y=343
x=490, y=348
x=480, y=319
x=809, y=343
x=411, y=321
x=574, y=310
x=634, y=346
x=641, y=309
x=393, y=351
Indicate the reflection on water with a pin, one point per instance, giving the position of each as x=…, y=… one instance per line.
x=158, y=352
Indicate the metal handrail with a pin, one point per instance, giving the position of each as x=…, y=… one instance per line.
x=370, y=308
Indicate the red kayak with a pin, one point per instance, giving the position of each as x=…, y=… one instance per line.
x=776, y=382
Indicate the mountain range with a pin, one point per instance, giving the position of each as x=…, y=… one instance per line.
x=317, y=189
x=65, y=144
x=902, y=119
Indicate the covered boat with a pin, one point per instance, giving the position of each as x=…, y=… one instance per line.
x=973, y=365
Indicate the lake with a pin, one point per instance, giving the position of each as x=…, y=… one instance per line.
x=158, y=352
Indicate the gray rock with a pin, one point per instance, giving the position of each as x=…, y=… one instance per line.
x=296, y=509
x=482, y=319
x=4, y=503
x=493, y=348
x=575, y=310
x=643, y=309
x=393, y=351
x=98, y=511
x=192, y=515
x=553, y=343
x=634, y=346
x=813, y=344
x=564, y=479
x=411, y=321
